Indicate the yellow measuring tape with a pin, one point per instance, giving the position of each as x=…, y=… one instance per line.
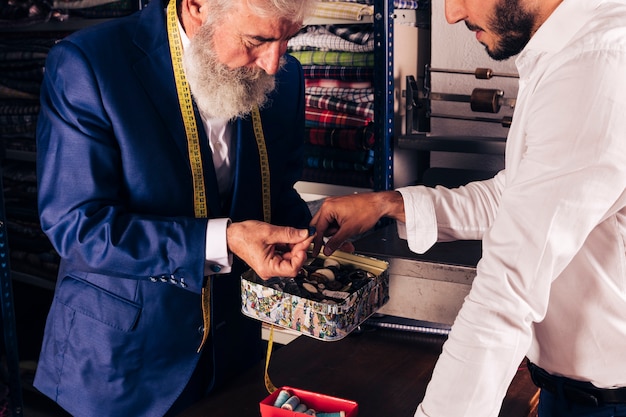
x=195, y=159
x=185, y=102
x=186, y=108
x=270, y=343
x=265, y=176
x=265, y=165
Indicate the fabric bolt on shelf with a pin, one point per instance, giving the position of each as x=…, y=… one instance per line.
x=358, y=95
x=338, y=165
x=331, y=119
x=340, y=159
x=79, y=4
x=356, y=59
x=342, y=138
x=397, y=4
x=322, y=39
x=330, y=83
x=357, y=33
x=334, y=72
x=343, y=10
x=333, y=103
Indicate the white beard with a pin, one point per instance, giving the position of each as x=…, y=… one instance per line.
x=219, y=91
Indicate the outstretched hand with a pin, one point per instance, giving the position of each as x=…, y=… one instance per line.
x=350, y=215
x=271, y=251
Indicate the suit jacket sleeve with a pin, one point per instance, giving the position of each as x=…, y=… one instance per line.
x=114, y=193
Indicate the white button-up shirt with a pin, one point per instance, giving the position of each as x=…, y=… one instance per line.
x=551, y=284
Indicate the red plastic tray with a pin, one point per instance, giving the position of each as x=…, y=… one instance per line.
x=319, y=402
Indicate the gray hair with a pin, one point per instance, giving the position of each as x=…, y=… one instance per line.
x=292, y=10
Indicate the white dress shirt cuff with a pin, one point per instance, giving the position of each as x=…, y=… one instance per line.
x=420, y=229
x=218, y=259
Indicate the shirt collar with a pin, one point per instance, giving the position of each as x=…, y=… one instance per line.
x=566, y=20
x=184, y=39
x=552, y=36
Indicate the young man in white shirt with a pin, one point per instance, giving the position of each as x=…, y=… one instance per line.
x=551, y=283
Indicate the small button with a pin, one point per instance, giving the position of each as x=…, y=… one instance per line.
x=215, y=268
x=153, y=279
x=163, y=278
x=183, y=283
x=201, y=329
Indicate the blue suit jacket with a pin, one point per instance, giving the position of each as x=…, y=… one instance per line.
x=116, y=200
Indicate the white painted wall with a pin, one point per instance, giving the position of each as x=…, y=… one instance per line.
x=455, y=47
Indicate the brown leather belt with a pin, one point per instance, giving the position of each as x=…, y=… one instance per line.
x=579, y=392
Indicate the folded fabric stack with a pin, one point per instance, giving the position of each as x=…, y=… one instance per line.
x=22, y=13
x=21, y=69
x=96, y=9
x=338, y=64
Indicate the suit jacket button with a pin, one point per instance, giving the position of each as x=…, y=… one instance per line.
x=216, y=268
x=201, y=329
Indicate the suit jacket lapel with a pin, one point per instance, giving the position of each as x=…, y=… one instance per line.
x=155, y=71
x=247, y=176
x=156, y=74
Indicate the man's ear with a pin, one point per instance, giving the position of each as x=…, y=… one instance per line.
x=195, y=7
x=192, y=15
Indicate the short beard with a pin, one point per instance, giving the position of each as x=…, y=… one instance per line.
x=514, y=27
x=221, y=92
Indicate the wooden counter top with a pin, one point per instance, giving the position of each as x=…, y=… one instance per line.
x=384, y=371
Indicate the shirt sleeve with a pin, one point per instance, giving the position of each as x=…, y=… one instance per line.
x=420, y=229
x=440, y=214
x=219, y=260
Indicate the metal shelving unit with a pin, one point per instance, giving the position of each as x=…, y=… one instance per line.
x=383, y=94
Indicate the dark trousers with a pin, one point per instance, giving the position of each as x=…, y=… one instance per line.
x=551, y=405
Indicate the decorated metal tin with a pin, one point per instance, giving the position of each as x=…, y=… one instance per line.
x=318, y=304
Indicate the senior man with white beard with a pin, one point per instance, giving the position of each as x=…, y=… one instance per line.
x=168, y=145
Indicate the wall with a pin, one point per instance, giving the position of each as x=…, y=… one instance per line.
x=411, y=53
x=455, y=47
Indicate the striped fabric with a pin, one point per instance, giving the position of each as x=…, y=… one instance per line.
x=358, y=95
x=369, y=2
x=353, y=33
x=397, y=4
x=409, y=4
x=343, y=10
x=326, y=41
x=338, y=73
x=339, y=159
x=79, y=4
x=351, y=139
x=348, y=59
x=365, y=110
x=330, y=83
x=332, y=119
